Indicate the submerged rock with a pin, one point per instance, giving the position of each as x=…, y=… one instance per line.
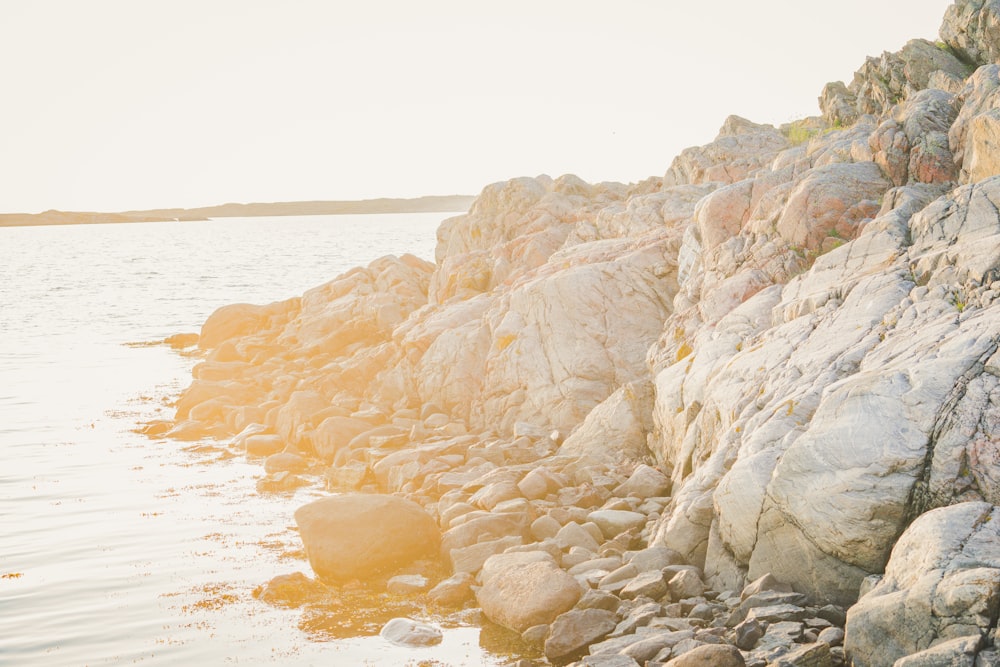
x=407, y=632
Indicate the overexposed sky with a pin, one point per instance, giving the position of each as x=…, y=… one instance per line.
x=128, y=104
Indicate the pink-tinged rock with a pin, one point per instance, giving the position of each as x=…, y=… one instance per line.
x=527, y=594
x=362, y=535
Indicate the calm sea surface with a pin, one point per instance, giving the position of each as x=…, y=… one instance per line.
x=115, y=549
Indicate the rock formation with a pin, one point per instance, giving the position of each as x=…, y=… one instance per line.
x=697, y=416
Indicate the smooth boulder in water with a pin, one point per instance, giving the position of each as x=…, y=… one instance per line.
x=362, y=535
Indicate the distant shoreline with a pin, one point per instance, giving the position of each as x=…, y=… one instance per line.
x=427, y=204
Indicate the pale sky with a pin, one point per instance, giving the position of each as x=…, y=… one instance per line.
x=128, y=104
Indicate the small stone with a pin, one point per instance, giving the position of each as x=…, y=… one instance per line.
x=264, y=445
x=407, y=632
x=575, y=535
x=285, y=462
x=777, y=613
x=572, y=633
x=545, y=527
x=686, y=584
x=648, y=584
x=407, y=584
x=645, y=482
x=607, y=660
x=535, y=635
x=767, y=582
x=810, y=655
x=290, y=590
x=598, y=600
x=710, y=655
x=832, y=636
x=453, y=591
x=615, y=522
x=748, y=633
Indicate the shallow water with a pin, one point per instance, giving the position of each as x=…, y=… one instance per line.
x=116, y=549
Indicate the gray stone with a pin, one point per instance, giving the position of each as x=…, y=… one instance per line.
x=607, y=660
x=960, y=652
x=648, y=584
x=573, y=632
x=942, y=582
x=686, y=584
x=810, y=655
x=747, y=634
x=710, y=655
x=777, y=613
x=832, y=636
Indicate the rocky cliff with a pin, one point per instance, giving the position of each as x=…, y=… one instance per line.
x=777, y=363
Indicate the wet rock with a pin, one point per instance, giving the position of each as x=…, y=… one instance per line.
x=263, y=445
x=453, y=591
x=407, y=632
x=279, y=482
x=535, y=636
x=522, y=594
x=571, y=634
x=407, y=584
x=291, y=590
x=285, y=462
x=360, y=535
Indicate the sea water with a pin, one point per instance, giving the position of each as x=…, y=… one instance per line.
x=116, y=549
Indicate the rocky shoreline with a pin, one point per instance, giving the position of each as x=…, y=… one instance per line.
x=747, y=413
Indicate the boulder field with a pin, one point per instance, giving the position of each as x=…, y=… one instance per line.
x=746, y=413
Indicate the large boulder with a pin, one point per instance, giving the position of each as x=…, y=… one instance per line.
x=971, y=28
x=942, y=583
x=519, y=592
x=362, y=535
